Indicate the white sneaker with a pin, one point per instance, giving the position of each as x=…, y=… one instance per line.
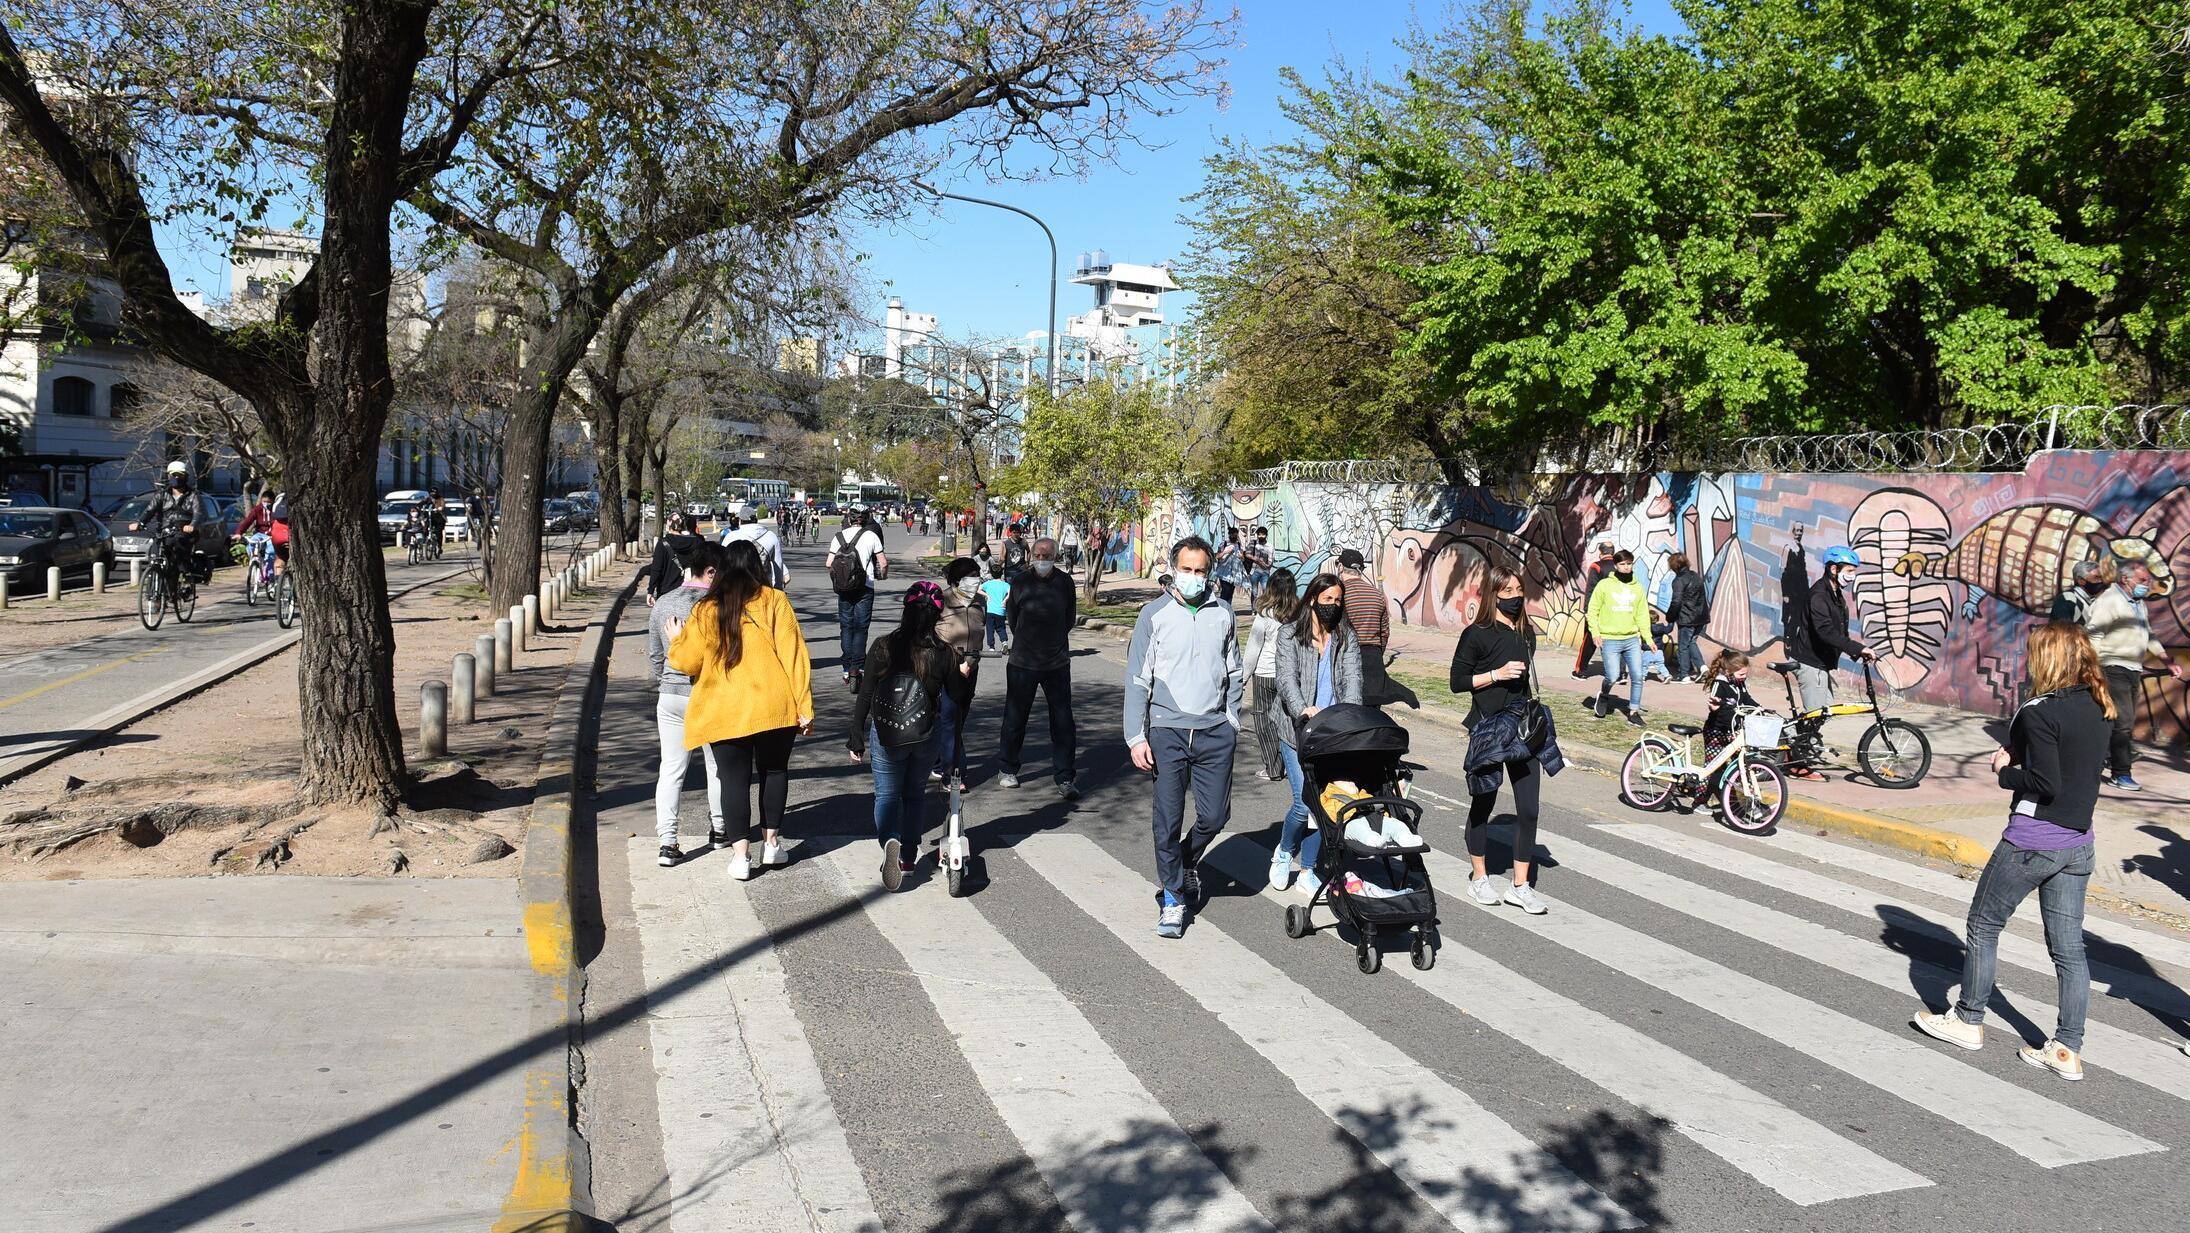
x=741, y=869
x=1524, y=897
x=771, y=854
x=1483, y=890
x=1947, y=1026
x=1281, y=872
x=2056, y=1057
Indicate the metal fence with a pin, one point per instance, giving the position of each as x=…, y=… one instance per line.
x=1994, y=447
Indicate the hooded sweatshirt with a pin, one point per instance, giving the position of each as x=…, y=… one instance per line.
x=1184, y=668
x=1618, y=608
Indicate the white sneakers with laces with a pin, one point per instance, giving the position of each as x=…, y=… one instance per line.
x=1947, y=1026
x=772, y=857
x=2056, y=1057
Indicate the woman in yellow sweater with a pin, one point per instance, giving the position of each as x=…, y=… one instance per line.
x=752, y=695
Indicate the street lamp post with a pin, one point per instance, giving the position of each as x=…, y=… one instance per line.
x=1052, y=237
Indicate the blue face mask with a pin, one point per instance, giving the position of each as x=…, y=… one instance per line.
x=2139, y=591
x=1191, y=586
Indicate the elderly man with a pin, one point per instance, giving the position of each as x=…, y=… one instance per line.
x=1183, y=679
x=1039, y=609
x=2121, y=632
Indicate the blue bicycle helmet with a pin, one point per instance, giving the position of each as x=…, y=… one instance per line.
x=1841, y=556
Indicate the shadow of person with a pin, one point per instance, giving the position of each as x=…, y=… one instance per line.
x=1935, y=956
x=2170, y=866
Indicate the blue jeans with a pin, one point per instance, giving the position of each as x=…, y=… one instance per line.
x=1691, y=651
x=1619, y=651
x=900, y=792
x=1294, y=837
x=998, y=636
x=2009, y=877
x=1200, y=761
x=950, y=725
x=852, y=616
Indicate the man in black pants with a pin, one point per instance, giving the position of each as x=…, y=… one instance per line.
x=1039, y=611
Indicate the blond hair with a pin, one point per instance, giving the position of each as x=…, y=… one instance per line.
x=2061, y=657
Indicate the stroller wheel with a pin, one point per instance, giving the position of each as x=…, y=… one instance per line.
x=1368, y=958
x=1296, y=921
x=1423, y=956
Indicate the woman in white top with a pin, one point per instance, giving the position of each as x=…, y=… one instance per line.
x=1274, y=609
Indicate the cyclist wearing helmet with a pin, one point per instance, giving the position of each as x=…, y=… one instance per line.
x=173, y=516
x=1823, y=639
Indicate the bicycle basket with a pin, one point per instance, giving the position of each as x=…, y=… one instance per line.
x=1762, y=730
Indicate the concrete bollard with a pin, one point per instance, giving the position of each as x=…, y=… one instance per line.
x=546, y=606
x=98, y=577
x=482, y=665
x=53, y=582
x=505, y=648
x=433, y=719
x=3, y=591
x=531, y=612
x=519, y=631
x=135, y=563
x=461, y=686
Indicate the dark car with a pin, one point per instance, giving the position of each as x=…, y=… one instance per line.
x=393, y=516
x=555, y=517
x=34, y=538
x=211, y=537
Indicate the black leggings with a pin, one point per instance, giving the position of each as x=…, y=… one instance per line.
x=1526, y=779
x=740, y=762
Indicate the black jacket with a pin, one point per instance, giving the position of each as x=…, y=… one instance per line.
x=1823, y=638
x=935, y=664
x=663, y=572
x=170, y=512
x=2058, y=742
x=1690, y=606
x=1039, y=613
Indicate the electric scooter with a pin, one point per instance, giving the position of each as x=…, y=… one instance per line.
x=955, y=852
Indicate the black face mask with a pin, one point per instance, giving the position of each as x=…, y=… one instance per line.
x=1625, y=571
x=2095, y=588
x=1329, y=614
x=1512, y=605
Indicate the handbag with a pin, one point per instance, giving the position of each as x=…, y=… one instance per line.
x=1534, y=726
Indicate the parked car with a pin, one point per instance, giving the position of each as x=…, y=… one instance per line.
x=211, y=537
x=393, y=514
x=34, y=538
x=555, y=517
x=700, y=509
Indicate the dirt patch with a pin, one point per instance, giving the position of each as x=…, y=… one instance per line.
x=206, y=786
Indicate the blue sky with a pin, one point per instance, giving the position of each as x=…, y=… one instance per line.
x=982, y=271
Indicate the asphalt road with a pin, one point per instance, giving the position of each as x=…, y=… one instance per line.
x=47, y=696
x=1708, y=1032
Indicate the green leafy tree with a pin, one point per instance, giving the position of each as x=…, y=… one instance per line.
x=1093, y=454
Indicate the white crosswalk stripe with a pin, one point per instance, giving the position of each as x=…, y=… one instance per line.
x=1443, y=1144
x=769, y=1153
x=2015, y=949
x=1088, y=1125
x=1794, y=1156
x=2034, y=1127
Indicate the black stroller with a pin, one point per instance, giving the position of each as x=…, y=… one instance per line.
x=1363, y=745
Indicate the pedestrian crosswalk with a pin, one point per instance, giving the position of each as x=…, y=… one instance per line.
x=1802, y=973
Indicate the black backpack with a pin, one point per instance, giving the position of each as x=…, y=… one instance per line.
x=846, y=575
x=904, y=711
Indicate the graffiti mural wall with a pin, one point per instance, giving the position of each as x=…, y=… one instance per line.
x=1956, y=567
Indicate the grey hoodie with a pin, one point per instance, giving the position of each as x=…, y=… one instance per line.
x=674, y=605
x=1184, y=669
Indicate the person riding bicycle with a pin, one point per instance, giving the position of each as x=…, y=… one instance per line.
x=1819, y=643
x=437, y=520
x=416, y=526
x=280, y=532
x=173, y=517
x=257, y=520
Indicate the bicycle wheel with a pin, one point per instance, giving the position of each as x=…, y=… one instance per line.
x=1643, y=782
x=151, y=600
x=1895, y=753
x=1752, y=796
x=251, y=582
x=185, y=597
x=285, y=601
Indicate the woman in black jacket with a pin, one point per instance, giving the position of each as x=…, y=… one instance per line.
x=1491, y=663
x=1690, y=610
x=888, y=705
x=2055, y=753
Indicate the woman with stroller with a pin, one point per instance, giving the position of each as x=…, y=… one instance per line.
x=1273, y=608
x=911, y=671
x=1491, y=663
x=1318, y=664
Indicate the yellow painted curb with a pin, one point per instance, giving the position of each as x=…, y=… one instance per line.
x=1908, y=837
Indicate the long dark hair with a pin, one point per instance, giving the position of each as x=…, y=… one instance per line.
x=1280, y=597
x=1495, y=577
x=736, y=585
x=915, y=627
x=1304, y=612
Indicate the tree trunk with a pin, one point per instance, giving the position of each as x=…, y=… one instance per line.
x=558, y=349
x=608, y=460
x=638, y=423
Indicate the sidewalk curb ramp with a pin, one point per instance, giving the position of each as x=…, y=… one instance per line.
x=553, y=1189
x=112, y=720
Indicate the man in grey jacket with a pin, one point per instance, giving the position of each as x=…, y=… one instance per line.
x=1183, y=680
x=699, y=561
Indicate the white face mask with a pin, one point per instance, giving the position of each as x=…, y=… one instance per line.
x=969, y=585
x=1042, y=568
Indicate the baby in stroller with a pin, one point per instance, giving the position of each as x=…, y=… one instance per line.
x=1368, y=868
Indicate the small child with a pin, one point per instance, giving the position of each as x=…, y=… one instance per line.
x=1368, y=829
x=994, y=591
x=1727, y=678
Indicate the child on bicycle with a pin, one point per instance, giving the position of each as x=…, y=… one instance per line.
x=1727, y=680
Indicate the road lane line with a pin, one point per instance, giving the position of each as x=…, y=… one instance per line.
x=1465, y=1162
x=1091, y=1129
x=1795, y=1157
x=86, y=674
x=2033, y=1127
x=749, y=1134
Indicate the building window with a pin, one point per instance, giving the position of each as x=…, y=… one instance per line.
x=74, y=396
x=121, y=401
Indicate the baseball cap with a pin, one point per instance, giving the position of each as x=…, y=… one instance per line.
x=1352, y=559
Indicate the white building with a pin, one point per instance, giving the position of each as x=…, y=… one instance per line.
x=902, y=330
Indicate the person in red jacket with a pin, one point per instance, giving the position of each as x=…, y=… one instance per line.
x=1590, y=578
